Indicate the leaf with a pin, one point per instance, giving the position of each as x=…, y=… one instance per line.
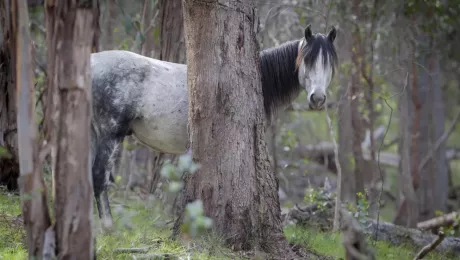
x=175, y=186
x=194, y=209
x=167, y=171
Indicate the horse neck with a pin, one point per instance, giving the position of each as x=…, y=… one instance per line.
x=280, y=82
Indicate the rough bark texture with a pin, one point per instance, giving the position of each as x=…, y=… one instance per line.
x=235, y=181
x=69, y=49
x=33, y=193
x=9, y=164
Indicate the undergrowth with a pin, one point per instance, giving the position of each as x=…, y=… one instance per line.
x=138, y=224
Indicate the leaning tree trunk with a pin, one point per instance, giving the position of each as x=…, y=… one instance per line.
x=72, y=26
x=33, y=193
x=227, y=126
x=9, y=163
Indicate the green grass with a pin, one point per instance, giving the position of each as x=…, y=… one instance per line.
x=136, y=226
x=140, y=224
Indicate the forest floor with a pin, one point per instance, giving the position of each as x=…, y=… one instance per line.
x=137, y=226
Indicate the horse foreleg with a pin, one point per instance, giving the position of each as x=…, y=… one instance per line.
x=103, y=208
x=102, y=170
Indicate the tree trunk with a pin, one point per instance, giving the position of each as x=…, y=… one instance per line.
x=348, y=183
x=439, y=178
x=432, y=191
x=72, y=31
x=407, y=212
x=227, y=126
x=108, y=42
x=170, y=24
x=9, y=163
x=33, y=193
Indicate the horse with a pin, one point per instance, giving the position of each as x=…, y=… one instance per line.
x=148, y=98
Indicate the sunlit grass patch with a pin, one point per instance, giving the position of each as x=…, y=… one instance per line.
x=330, y=244
x=12, y=233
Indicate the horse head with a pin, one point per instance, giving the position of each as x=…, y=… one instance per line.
x=316, y=62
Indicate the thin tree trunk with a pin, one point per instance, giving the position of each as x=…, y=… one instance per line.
x=9, y=162
x=33, y=193
x=227, y=127
x=354, y=95
x=348, y=183
x=440, y=175
x=72, y=40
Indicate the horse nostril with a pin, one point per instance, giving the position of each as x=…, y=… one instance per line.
x=318, y=99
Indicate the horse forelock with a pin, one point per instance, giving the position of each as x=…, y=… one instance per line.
x=310, y=51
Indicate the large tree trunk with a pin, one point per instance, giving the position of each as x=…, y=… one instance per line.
x=9, y=163
x=34, y=204
x=72, y=26
x=227, y=129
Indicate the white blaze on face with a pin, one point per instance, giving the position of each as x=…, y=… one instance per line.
x=317, y=79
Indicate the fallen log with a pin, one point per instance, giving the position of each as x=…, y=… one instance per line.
x=444, y=220
x=321, y=216
x=326, y=149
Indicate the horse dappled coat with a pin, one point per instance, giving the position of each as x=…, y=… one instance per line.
x=134, y=94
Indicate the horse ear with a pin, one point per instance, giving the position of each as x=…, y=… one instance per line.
x=308, y=33
x=332, y=33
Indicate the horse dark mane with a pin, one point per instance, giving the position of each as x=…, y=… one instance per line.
x=280, y=82
x=278, y=66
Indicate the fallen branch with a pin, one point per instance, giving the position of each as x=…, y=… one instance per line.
x=444, y=220
x=425, y=250
x=142, y=250
x=153, y=256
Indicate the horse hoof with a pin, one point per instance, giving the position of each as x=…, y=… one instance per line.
x=107, y=225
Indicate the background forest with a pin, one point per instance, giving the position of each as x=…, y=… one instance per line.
x=394, y=104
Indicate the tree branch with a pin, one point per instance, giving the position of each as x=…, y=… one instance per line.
x=442, y=139
x=430, y=247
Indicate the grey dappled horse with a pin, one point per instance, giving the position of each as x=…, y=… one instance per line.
x=134, y=94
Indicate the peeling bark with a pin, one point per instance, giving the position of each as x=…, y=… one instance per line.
x=33, y=191
x=72, y=31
